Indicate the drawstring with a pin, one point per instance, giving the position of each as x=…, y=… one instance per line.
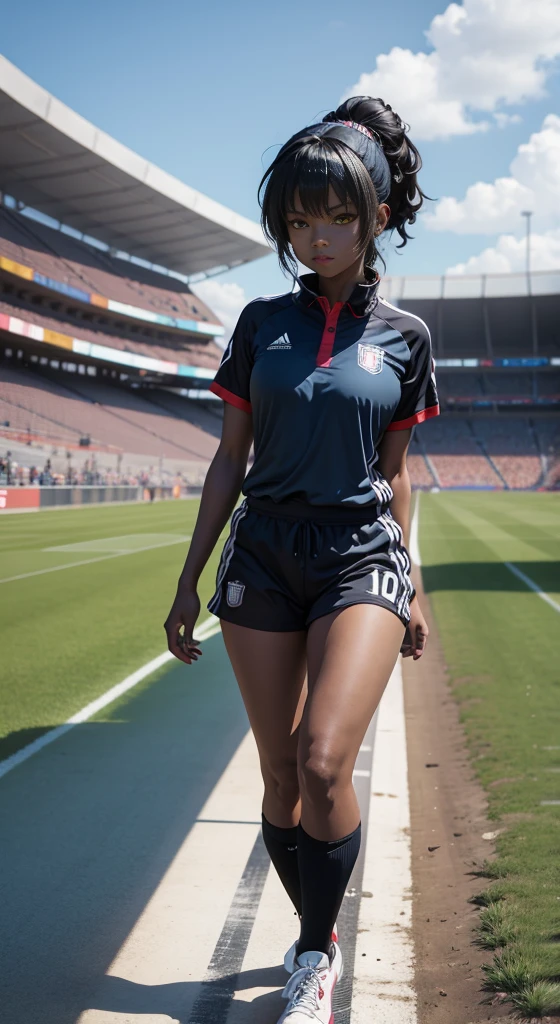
x=305, y=543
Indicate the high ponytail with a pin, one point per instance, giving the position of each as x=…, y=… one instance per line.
x=312, y=163
x=404, y=160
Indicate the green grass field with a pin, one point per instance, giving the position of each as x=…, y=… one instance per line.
x=68, y=634
x=500, y=643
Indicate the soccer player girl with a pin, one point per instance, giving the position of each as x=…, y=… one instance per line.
x=313, y=588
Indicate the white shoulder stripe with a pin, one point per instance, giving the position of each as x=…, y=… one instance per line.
x=399, y=309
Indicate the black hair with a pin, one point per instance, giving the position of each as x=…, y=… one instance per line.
x=312, y=163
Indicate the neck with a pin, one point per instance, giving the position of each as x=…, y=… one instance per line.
x=340, y=287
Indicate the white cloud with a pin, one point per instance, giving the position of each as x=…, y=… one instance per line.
x=486, y=54
x=534, y=184
x=509, y=253
x=502, y=120
x=226, y=300
x=411, y=83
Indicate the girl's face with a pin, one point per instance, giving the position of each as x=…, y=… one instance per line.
x=328, y=244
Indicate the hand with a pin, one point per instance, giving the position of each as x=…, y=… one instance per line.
x=417, y=633
x=184, y=612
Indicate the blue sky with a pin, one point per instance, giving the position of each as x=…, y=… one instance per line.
x=210, y=91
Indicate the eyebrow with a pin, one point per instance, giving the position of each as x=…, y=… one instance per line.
x=301, y=213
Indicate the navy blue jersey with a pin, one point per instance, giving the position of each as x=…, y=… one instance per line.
x=323, y=385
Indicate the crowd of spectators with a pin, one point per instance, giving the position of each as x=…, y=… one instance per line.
x=14, y=474
x=515, y=470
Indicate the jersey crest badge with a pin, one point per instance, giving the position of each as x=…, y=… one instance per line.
x=235, y=592
x=370, y=358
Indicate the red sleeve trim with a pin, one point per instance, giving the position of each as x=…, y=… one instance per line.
x=419, y=417
x=228, y=396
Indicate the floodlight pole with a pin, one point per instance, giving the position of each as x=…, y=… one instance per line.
x=528, y=214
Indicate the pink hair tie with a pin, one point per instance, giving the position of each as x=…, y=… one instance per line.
x=362, y=128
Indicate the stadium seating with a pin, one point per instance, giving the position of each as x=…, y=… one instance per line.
x=483, y=451
x=548, y=434
x=64, y=258
x=114, y=417
x=184, y=350
x=447, y=437
x=419, y=472
x=452, y=385
x=48, y=405
x=513, y=448
x=549, y=384
x=477, y=385
x=209, y=420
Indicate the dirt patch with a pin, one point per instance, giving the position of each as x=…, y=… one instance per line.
x=448, y=819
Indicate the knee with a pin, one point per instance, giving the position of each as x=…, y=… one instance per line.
x=321, y=772
x=280, y=778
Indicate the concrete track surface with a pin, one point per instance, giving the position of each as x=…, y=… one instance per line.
x=135, y=887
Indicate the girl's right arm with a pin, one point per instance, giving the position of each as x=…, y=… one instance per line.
x=221, y=490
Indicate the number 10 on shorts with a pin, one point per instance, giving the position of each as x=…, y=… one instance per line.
x=389, y=584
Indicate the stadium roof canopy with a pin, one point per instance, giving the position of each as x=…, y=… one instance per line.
x=471, y=286
x=55, y=161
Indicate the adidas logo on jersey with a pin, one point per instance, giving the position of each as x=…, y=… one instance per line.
x=283, y=342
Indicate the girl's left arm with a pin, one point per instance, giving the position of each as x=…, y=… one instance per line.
x=392, y=464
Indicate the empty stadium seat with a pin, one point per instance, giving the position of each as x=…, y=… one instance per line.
x=64, y=258
x=113, y=417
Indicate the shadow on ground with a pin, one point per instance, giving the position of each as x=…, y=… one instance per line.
x=88, y=827
x=125, y=997
x=493, y=576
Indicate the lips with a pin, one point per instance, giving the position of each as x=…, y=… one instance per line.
x=322, y=259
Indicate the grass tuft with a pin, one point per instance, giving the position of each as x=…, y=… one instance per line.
x=509, y=972
x=489, y=896
x=537, y=1000
x=493, y=869
x=495, y=930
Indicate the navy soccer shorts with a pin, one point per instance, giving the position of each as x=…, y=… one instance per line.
x=283, y=566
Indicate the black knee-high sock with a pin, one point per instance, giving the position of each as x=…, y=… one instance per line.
x=281, y=844
x=324, y=871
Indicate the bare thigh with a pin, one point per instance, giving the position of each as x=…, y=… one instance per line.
x=350, y=654
x=270, y=669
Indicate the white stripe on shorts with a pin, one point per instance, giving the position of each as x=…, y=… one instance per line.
x=227, y=554
x=397, y=554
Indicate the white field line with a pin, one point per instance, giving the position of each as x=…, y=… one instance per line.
x=532, y=585
x=414, y=550
x=203, y=632
x=89, y=561
x=384, y=988
x=415, y=556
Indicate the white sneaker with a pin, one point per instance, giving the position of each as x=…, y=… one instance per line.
x=310, y=989
x=290, y=957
